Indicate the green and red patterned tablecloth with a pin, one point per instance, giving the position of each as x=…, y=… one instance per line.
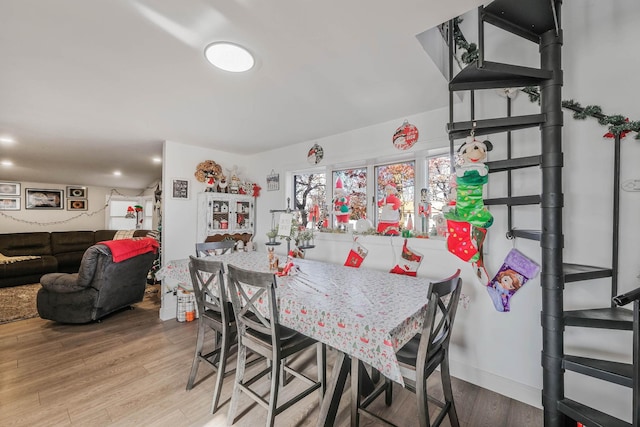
x=367, y=314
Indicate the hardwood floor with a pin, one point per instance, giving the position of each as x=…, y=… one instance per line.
x=131, y=370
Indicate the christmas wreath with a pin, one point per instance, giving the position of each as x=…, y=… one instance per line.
x=207, y=169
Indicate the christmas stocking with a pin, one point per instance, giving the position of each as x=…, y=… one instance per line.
x=357, y=254
x=516, y=270
x=409, y=261
x=465, y=240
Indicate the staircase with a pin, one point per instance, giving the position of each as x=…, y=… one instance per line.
x=538, y=21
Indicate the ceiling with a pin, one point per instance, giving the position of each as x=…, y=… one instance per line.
x=89, y=87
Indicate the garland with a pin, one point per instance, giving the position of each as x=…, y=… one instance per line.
x=617, y=123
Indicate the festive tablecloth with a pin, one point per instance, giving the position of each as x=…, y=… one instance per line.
x=367, y=314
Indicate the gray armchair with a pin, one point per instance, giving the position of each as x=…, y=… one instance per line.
x=101, y=286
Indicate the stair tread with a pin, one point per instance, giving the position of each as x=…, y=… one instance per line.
x=497, y=75
x=589, y=416
x=512, y=164
x=606, y=318
x=533, y=15
x=460, y=130
x=514, y=200
x=526, y=234
x=615, y=372
x=578, y=272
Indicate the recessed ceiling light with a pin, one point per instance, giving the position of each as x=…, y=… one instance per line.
x=157, y=160
x=229, y=57
x=7, y=139
x=6, y=163
x=117, y=173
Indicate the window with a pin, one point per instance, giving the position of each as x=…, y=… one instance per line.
x=353, y=183
x=439, y=184
x=418, y=186
x=310, y=196
x=395, y=192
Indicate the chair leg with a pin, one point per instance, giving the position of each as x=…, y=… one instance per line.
x=448, y=392
x=222, y=367
x=233, y=406
x=321, y=361
x=196, y=357
x=355, y=392
x=273, y=395
x=422, y=401
x=388, y=393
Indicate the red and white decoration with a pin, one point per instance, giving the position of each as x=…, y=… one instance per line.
x=405, y=136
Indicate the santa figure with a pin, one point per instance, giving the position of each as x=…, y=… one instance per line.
x=389, y=219
x=341, y=204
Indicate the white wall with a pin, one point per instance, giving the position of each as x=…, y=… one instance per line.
x=499, y=351
x=30, y=220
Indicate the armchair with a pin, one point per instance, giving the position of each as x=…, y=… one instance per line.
x=102, y=285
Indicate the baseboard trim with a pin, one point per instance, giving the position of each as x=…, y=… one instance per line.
x=496, y=383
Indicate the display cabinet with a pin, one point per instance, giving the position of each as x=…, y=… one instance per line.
x=222, y=213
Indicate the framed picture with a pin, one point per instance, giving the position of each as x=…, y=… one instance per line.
x=37, y=198
x=9, y=189
x=180, y=188
x=77, y=192
x=77, y=204
x=9, y=203
x=273, y=181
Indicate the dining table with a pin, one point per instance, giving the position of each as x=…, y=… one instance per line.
x=364, y=314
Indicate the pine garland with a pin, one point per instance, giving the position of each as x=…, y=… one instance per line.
x=617, y=123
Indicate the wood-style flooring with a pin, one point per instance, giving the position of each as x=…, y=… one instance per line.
x=131, y=370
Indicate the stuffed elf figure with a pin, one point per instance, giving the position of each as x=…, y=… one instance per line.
x=389, y=219
x=341, y=204
x=468, y=220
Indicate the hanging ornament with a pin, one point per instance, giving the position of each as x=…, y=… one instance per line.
x=315, y=154
x=405, y=136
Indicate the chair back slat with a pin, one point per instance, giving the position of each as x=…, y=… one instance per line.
x=440, y=315
x=213, y=248
x=248, y=289
x=208, y=285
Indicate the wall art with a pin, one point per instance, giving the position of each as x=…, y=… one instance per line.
x=273, y=181
x=180, y=188
x=77, y=205
x=37, y=198
x=9, y=203
x=77, y=192
x=9, y=189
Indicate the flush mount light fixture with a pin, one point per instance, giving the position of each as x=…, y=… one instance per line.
x=117, y=173
x=229, y=57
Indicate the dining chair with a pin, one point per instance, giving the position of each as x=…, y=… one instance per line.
x=420, y=357
x=215, y=312
x=214, y=248
x=260, y=331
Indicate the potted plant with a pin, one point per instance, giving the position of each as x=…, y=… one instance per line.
x=304, y=237
x=271, y=234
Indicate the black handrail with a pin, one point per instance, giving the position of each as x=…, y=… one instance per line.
x=624, y=299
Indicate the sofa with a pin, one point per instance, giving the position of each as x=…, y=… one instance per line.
x=25, y=257
x=112, y=276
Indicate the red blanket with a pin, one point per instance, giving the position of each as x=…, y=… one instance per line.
x=127, y=248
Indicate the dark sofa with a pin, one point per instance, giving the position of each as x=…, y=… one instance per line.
x=58, y=252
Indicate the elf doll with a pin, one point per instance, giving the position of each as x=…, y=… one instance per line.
x=389, y=219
